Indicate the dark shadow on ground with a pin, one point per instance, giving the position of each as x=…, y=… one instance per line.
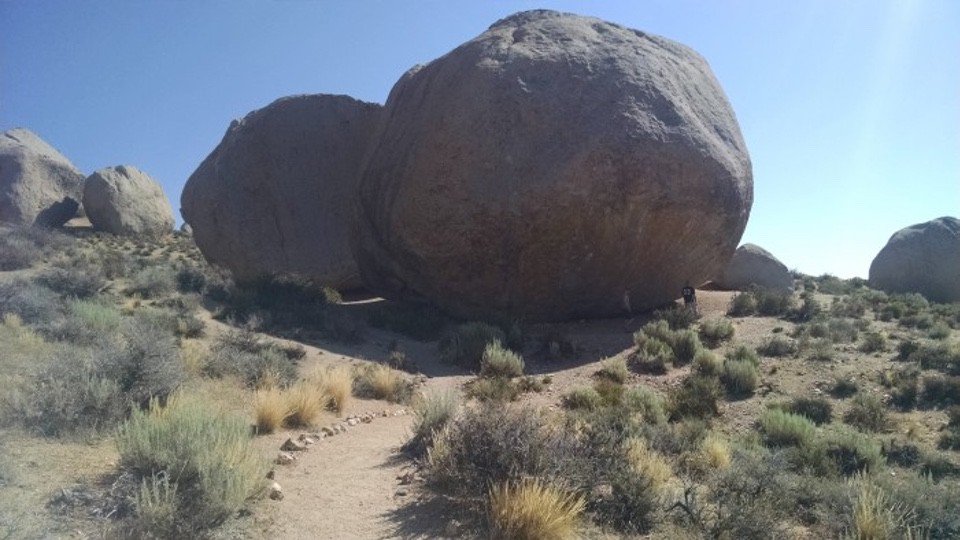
x=429, y=516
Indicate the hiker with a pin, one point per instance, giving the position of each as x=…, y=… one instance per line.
x=690, y=298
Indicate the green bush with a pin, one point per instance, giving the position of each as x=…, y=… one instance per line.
x=842, y=331
x=611, y=393
x=707, y=363
x=742, y=304
x=494, y=389
x=653, y=356
x=678, y=317
x=17, y=252
x=773, y=302
x=867, y=413
x=72, y=282
x=696, y=397
x=821, y=350
x=278, y=300
x=686, y=345
x=582, y=398
x=647, y=402
x=740, y=377
x=817, y=410
x=906, y=348
x=781, y=428
x=35, y=304
x=745, y=353
x=808, y=309
x=844, y=387
x=777, y=346
x=243, y=354
x=939, y=331
x=943, y=356
x=851, y=453
x=940, y=391
x=713, y=332
x=873, y=342
x=465, y=344
x=613, y=370
x=498, y=361
x=430, y=415
x=198, y=463
x=659, y=330
x=153, y=282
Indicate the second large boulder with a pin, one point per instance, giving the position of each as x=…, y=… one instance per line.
x=753, y=265
x=274, y=196
x=922, y=258
x=549, y=166
x=126, y=201
x=38, y=185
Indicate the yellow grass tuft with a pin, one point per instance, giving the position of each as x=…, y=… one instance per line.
x=22, y=338
x=715, y=452
x=335, y=383
x=876, y=517
x=194, y=357
x=304, y=403
x=381, y=382
x=648, y=463
x=271, y=407
x=532, y=510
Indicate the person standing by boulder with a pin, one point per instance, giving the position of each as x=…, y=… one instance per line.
x=690, y=298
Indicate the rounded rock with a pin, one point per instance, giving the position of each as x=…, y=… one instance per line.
x=38, y=185
x=923, y=258
x=549, y=166
x=753, y=265
x=126, y=201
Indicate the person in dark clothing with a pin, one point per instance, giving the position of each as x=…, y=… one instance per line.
x=690, y=297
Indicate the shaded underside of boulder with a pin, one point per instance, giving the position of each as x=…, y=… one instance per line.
x=126, y=201
x=38, y=185
x=273, y=198
x=550, y=165
x=923, y=258
x=753, y=265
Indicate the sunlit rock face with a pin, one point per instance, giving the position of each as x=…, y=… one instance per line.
x=38, y=185
x=548, y=166
x=922, y=258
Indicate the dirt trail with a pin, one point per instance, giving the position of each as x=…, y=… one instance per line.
x=345, y=486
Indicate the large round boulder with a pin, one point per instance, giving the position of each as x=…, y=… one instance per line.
x=38, y=185
x=550, y=166
x=274, y=197
x=922, y=258
x=753, y=265
x=126, y=201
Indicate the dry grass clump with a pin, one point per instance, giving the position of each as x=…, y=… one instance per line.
x=877, y=517
x=379, y=381
x=531, y=509
x=22, y=338
x=648, y=463
x=270, y=408
x=335, y=383
x=303, y=404
x=715, y=452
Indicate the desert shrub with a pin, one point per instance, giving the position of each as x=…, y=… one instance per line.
x=84, y=322
x=842, y=453
x=72, y=282
x=465, y=344
x=494, y=389
x=742, y=305
x=647, y=402
x=773, y=302
x=713, y=332
x=821, y=350
x=422, y=322
x=808, y=309
x=867, y=412
x=940, y=391
x=532, y=509
x=242, y=353
x=939, y=331
x=378, y=381
x=34, y=304
x=270, y=407
x=817, y=410
x=611, y=393
x=740, y=377
x=283, y=301
x=852, y=307
x=613, y=370
x=785, y=429
x=493, y=444
x=777, y=346
x=677, y=317
x=696, y=397
x=686, y=345
x=431, y=414
x=556, y=344
x=17, y=252
x=906, y=387
x=707, y=363
x=842, y=331
x=652, y=356
x=844, y=387
x=901, y=453
x=873, y=342
x=920, y=321
x=830, y=284
x=584, y=397
x=498, y=361
x=335, y=383
x=204, y=457
x=875, y=515
x=933, y=502
x=744, y=353
x=146, y=363
x=658, y=329
x=153, y=282
x=943, y=356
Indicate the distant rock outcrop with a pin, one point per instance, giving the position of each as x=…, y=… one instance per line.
x=275, y=196
x=753, y=265
x=38, y=185
x=549, y=165
x=126, y=201
x=922, y=258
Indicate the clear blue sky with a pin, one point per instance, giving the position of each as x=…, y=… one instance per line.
x=850, y=109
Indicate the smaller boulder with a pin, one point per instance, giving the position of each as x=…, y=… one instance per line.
x=922, y=258
x=38, y=185
x=276, y=492
x=126, y=201
x=753, y=265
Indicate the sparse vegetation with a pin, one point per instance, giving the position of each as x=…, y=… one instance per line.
x=713, y=332
x=465, y=344
x=786, y=429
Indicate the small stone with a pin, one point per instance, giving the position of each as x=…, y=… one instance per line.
x=327, y=432
x=276, y=492
x=270, y=474
x=293, y=446
x=352, y=422
x=366, y=419
x=343, y=427
x=285, y=458
x=402, y=492
x=306, y=439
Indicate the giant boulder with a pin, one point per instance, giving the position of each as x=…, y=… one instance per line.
x=549, y=165
x=922, y=258
x=274, y=196
x=126, y=201
x=753, y=265
x=38, y=185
